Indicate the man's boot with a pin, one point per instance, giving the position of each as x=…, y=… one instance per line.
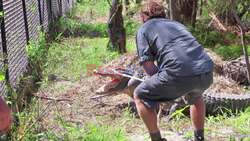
x=199, y=135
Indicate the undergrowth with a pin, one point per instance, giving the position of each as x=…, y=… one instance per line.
x=90, y=132
x=25, y=107
x=227, y=45
x=226, y=126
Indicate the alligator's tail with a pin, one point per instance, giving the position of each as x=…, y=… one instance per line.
x=216, y=103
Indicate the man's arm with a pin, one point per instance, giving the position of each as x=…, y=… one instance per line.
x=150, y=68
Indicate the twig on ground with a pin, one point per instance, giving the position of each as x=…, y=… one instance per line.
x=41, y=115
x=100, y=96
x=53, y=99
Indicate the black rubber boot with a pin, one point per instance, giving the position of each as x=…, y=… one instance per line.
x=156, y=136
x=199, y=135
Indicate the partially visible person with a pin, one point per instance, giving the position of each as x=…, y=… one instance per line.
x=5, y=117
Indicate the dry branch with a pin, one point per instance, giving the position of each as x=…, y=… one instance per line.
x=245, y=53
x=217, y=22
x=53, y=99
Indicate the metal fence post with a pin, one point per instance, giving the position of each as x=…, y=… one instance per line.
x=40, y=14
x=25, y=21
x=4, y=43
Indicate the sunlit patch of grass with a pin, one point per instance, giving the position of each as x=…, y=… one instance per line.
x=92, y=9
x=91, y=131
x=130, y=44
x=227, y=125
x=230, y=125
x=70, y=57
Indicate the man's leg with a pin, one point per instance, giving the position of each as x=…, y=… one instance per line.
x=197, y=113
x=149, y=117
x=5, y=116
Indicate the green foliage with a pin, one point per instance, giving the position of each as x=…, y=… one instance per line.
x=218, y=6
x=178, y=114
x=239, y=123
x=95, y=8
x=36, y=51
x=28, y=128
x=243, y=9
x=2, y=75
x=227, y=45
x=229, y=52
x=90, y=132
x=103, y=133
x=131, y=27
x=71, y=27
x=1, y=14
x=206, y=36
x=70, y=57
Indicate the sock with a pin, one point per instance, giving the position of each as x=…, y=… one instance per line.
x=199, y=135
x=155, y=136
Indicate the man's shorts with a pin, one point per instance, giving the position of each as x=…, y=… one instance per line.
x=163, y=87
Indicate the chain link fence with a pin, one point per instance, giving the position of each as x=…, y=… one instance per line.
x=20, y=23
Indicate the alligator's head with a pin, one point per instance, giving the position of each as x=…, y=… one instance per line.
x=119, y=84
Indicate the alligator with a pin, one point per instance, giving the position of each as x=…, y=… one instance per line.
x=123, y=82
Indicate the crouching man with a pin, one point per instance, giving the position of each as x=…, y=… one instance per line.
x=183, y=69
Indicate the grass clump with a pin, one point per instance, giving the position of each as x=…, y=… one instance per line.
x=235, y=124
x=71, y=27
x=71, y=57
x=227, y=45
x=27, y=127
x=90, y=132
x=131, y=27
x=92, y=8
x=103, y=133
x=36, y=51
x=229, y=52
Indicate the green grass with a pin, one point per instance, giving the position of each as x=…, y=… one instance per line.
x=90, y=132
x=95, y=132
x=70, y=57
x=227, y=45
x=228, y=125
x=71, y=27
x=97, y=8
x=28, y=127
x=131, y=27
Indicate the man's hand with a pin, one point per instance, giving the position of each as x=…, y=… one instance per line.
x=5, y=117
x=150, y=68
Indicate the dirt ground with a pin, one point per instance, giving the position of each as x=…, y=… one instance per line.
x=73, y=102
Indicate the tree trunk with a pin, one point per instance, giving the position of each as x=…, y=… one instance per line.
x=116, y=28
x=183, y=11
x=245, y=53
x=60, y=8
x=194, y=13
x=138, y=1
x=201, y=7
x=126, y=3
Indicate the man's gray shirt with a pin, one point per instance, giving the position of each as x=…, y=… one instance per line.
x=173, y=47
